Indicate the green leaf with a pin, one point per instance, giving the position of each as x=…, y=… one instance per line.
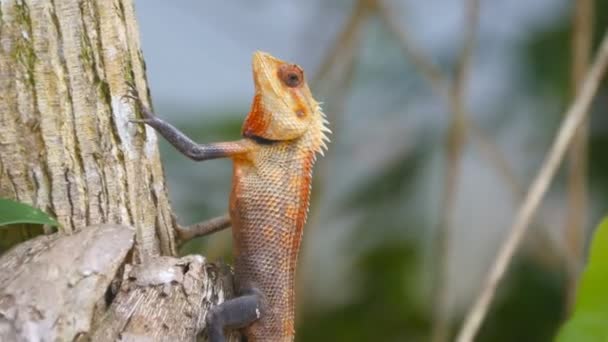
x=589, y=323
x=12, y=212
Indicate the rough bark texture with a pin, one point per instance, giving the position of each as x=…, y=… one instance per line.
x=65, y=142
x=164, y=299
x=66, y=147
x=48, y=294
x=76, y=287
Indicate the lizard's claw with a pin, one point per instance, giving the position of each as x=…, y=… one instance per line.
x=132, y=93
x=130, y=97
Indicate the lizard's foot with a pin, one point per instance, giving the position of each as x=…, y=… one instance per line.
x=132, y=94
x=233, y=314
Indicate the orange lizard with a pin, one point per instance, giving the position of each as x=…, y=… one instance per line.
x=271, y=182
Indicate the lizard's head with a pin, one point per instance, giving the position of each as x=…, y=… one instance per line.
x=283, y=107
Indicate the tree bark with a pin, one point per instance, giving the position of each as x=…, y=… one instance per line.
x=66, y=147
x=164, y=299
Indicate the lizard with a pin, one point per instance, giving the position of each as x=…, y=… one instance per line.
x=282, y=134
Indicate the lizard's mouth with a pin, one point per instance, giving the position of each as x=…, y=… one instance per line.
x=260, y=140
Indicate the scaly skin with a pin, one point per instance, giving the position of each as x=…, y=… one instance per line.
x=269, y=199
x=270, y=194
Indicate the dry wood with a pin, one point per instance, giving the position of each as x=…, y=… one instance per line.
x=51, y=286
x=164, y=299
x=577, y=182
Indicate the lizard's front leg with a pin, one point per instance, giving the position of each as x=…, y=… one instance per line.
x=183, y=143
x=233, y=314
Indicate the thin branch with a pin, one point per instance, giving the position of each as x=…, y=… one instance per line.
x=415, y=55
x=455, y=142
x=574, y=117
x=346, y=39
x=466, y=54
x=496, y=158
x=582, y=35
x=441, y=86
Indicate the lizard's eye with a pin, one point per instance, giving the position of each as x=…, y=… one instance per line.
x=291, y=75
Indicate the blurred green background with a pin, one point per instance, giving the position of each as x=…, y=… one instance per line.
x=369, y=259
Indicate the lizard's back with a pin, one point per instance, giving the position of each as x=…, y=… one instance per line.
x=268, y=207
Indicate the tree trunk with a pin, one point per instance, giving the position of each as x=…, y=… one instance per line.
x=66, y=147
x=66, y=144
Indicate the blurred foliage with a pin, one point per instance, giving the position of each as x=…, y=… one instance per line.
x=388, y=241
x=386, y=306
x=598, y=168
x=549, y=55
x=589, y=323
x=392, y=180
x=530, y=308
x=548, y=69
x=382, y=310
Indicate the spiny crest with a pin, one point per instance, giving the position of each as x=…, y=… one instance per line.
x=322, y=131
